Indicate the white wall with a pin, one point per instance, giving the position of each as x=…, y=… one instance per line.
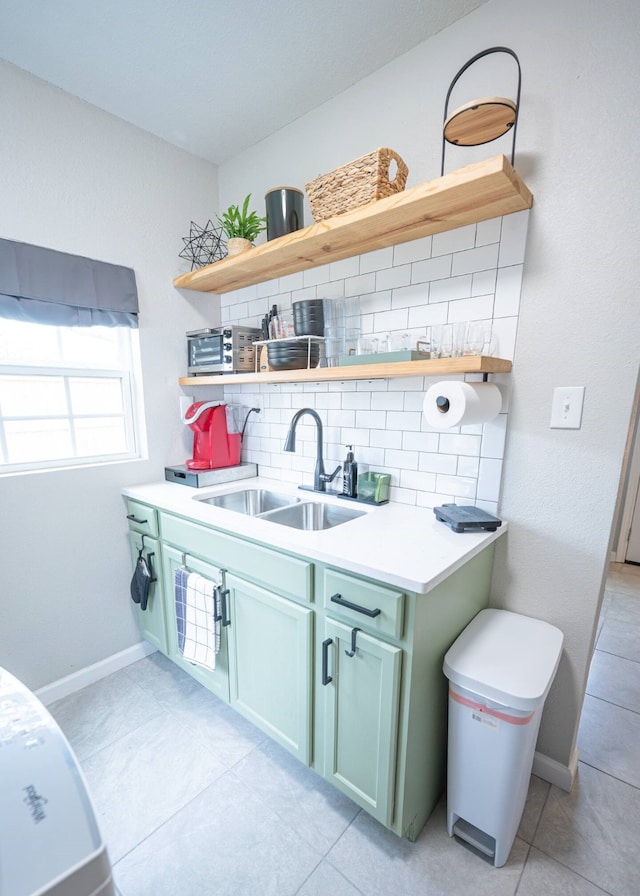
x=578, y=323
x=76, y=179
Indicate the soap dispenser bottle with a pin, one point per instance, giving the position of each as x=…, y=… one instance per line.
x=350, y=475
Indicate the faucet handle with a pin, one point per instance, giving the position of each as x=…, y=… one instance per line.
x=329, y=477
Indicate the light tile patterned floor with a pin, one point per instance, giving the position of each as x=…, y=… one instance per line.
x=194, y=800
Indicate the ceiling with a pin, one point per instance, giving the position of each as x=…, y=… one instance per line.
x=212, y=76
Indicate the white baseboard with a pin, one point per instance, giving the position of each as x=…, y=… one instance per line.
x=561, y=776
x=90, y=674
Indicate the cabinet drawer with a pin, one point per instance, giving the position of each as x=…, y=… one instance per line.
x=142, y=518
x=374, y=607
x=285, y=575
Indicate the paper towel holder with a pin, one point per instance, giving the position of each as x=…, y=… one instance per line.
x=442, y=403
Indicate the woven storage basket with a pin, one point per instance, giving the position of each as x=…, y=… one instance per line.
x=362, y=181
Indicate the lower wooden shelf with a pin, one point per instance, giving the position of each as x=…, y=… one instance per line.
x=435, y=367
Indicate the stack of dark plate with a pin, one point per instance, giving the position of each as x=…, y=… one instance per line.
x=285, y=355
x=308, y=317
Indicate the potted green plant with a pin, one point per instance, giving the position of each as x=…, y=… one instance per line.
x=241, y=227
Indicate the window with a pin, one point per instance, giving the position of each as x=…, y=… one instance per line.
x=68, y=350
x=67, y=395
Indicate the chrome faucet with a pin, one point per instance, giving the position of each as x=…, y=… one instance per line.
x=320, y=478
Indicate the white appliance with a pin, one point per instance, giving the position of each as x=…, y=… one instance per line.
x=49, y=838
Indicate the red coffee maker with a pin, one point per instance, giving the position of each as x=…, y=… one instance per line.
x=216, y=441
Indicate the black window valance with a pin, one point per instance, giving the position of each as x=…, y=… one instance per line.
x=49, y=287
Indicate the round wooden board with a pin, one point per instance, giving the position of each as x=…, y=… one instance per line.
x=480, y=121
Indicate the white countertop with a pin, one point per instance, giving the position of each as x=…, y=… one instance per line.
x=398, y=544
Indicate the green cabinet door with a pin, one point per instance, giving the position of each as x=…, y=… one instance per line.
x=216, y=680
x=270, y=664
x=361, y=697
x=151, y=620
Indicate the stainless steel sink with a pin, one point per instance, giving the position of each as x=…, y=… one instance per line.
x=251, y=501
x=312, y=515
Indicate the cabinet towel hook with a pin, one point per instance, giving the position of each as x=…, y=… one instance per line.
x=352, y=652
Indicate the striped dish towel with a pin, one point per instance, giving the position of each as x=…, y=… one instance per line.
x=196, y=608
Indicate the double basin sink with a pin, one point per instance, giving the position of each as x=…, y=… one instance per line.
x=284, y=509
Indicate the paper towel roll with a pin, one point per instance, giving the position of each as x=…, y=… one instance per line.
x=456, y=403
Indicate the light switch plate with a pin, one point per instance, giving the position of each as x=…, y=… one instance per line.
x=566, y=409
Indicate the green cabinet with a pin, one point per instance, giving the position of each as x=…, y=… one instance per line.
x=216, y=680
x=369, y=716
x=151, y=620
x=361, y=691
x=271, y=662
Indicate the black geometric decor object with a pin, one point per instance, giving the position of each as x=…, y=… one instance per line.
x=204, y=245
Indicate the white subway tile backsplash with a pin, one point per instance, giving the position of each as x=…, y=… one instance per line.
x=391, y=320
x=407, y=384
x=413, y=401
x=305, y=292
x=405, y=460
x=348, y=267
x=358, y=400
x=268, y=288
x=390, y=278
x=473, y=273
x=493, y=437
x=420, y=441
x=483, y=258
x=438, y=463
x=504, y=333
x=369, y=457
x=477, y=308
x=454, y=240
x=371, y=419
x=450, y=289
x=508, y=287
x=423, y=316
x=457, y=486
x=415, y=296
x=420, y=481
x=489, y=479
x=488, y=231
x=456, y=443
x=513, y=238
x=483, y=283
x=374, y=301
x=333, y=290
x=468, y=467
x=316, y=276
x=431, y=269
x=415, y=250
x=387, y=401
x=382, y=438
x=362, y=284
x=377, y=260
x=291, y=282
x=404, y=420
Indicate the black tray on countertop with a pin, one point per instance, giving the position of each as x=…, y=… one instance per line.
x=463, y=519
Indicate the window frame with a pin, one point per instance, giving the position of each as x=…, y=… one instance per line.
x=128, y=375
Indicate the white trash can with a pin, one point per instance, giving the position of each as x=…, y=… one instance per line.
x=500, y=670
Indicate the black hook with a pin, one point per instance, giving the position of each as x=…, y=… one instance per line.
x=352, y=652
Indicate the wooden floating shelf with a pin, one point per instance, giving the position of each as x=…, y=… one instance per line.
x=435, y=367
x=484, y=190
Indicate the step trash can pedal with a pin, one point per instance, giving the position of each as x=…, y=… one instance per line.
x=500, y=669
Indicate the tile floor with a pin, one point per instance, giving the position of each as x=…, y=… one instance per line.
x=192, y=799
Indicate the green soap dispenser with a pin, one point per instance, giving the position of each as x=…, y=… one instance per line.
x=350, y=475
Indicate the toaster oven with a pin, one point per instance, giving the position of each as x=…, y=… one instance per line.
x=222, y=350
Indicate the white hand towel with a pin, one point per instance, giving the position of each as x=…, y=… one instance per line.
x=200, y=640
